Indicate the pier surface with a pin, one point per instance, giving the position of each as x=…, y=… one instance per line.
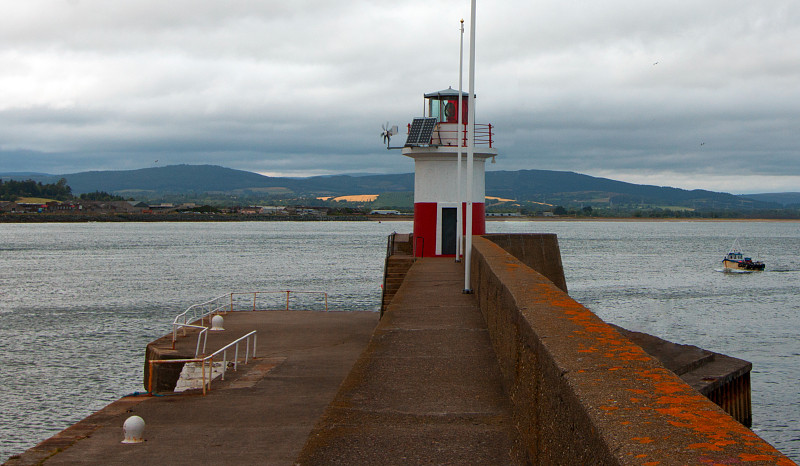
x=261, y=414
x=428, y=388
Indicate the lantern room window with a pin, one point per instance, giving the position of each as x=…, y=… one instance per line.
x=443, y=106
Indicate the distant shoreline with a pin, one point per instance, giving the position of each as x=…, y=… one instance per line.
x=149, y=218
x=603, y=219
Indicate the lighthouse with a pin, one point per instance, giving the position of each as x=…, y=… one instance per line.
x=433, y=142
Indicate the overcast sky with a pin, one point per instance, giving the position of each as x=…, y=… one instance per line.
x=682, y=93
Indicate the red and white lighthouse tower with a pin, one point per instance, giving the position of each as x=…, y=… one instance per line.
x=433, y=142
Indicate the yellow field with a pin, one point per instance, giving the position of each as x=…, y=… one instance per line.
x=34, y=200
x=500, y=199
x=357, y=198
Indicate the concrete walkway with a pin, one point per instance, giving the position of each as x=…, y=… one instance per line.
x=261, y=414
x=427, y=390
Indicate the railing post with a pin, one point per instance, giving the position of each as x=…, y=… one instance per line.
x=287, y=299
x=236, y=357
x=224, y=363
x=150, y=378
x=254, y=300
x=255, y=340
x=203, y=369
x=197, y=347
x=490, y=135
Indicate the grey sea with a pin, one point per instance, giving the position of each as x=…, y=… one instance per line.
x=79, y=302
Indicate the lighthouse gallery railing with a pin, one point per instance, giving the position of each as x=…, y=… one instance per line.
x=447, y=134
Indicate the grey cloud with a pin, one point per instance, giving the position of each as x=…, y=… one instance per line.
x=303, y=86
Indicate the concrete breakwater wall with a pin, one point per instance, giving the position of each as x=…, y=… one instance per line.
x=581, y=393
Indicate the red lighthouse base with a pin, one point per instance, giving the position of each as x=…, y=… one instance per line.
x=435, y=227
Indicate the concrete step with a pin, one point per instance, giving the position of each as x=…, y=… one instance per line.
x=192, y=375
x=401, y=267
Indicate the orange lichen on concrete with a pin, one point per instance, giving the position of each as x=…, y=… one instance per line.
x=750, y=458
x=512, y=265
x=689, y=410
x=643, y=439
x=615, y=345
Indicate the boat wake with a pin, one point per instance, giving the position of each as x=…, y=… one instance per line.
x=733, y=271
x=781, y=269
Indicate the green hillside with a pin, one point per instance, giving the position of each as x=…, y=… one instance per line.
x=531, y=190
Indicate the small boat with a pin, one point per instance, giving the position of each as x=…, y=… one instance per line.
x=735, y=261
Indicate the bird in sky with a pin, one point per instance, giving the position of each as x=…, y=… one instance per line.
x=702, y=143
x=656, y=63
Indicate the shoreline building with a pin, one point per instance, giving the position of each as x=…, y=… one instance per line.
x=433, y=143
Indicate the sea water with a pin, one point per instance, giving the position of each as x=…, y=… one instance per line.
x=79, y=302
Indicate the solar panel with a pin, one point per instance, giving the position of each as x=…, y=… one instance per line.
x=421, y=131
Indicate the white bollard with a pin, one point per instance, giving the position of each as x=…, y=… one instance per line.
x=133, y=429
x=216, y=323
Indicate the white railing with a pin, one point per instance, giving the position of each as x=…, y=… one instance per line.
x=247, y=339
x=279, y=300
x=199, y=312
x=247, y=301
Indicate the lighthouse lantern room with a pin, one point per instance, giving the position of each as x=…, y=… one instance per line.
x=433, y=142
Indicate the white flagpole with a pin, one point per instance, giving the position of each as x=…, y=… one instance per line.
x=459, y=135
x=470, y=150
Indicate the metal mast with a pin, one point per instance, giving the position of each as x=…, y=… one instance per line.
x=470, y=150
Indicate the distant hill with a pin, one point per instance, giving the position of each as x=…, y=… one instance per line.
x=784, y=199
x=22, y=176
x=546, y=186
x=566, y=188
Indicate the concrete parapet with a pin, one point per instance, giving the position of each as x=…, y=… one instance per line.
x=538, y=251
x=582, y=393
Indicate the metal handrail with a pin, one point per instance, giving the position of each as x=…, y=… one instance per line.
x=198, y=312
x=484, y=134
x=203, y=332
x=288, y=294
x=226, y=303
x=390, y=244
x=210, y=359
x=422, y=252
